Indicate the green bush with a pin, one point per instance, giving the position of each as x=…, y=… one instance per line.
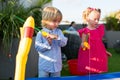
x=112, y=23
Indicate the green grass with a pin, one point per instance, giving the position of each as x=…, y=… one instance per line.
x=65, y=69
x=113, y=64
x=114, y=61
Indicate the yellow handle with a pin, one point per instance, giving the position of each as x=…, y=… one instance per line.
x=86, y=46
x=45, y=34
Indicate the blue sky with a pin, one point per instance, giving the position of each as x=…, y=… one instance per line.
x=72, y=9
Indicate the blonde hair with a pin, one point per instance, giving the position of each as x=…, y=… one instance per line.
x=50, y=14
x=87, y=11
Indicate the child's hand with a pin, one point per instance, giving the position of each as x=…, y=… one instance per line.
x=85, y=45
x=53, y=36
x=47, y=35
x=108, y=53
x=49, y=40
x=50, y=37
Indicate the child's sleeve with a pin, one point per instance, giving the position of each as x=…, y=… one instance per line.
x=83, y=30
x=41, y=44
x=62, y=40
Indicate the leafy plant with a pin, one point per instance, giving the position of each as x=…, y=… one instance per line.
x=112, y=23
x=12, y=16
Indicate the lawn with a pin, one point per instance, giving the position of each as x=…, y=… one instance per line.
x=113, y=64
x=114, y=61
